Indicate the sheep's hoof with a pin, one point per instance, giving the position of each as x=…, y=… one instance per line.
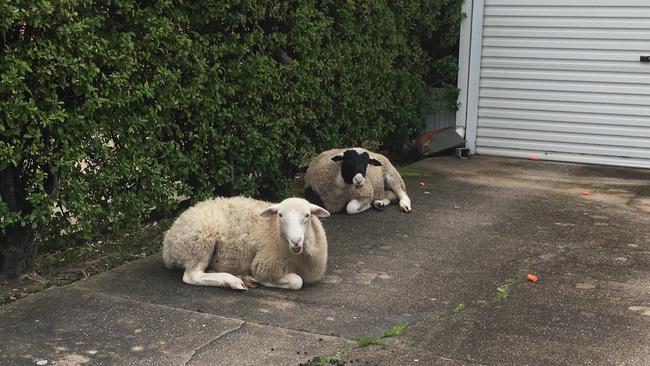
x=238, y=286
x=249, y=281
x=405, y=204
x=379, y=205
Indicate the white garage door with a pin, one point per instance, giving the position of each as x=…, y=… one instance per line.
x=563, y=79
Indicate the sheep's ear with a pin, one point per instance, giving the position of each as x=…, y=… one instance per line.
x=319, y=211
x=373, y=161
x=270, y=211
x=337, y=157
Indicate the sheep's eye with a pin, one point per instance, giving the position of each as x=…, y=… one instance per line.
x=307, y=215
x=280, y=214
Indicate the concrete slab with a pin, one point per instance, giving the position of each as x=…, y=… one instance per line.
x=149, y=281
x=404, y=267
x=254, y=344
x=73, y=327
x=478, y=227
x=64, y=326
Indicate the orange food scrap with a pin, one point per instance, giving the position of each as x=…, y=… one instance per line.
x=421, y=184
x=533, y=157
x=532, y=278
x=585, y=193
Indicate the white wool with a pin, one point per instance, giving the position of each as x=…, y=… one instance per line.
x=229, y=236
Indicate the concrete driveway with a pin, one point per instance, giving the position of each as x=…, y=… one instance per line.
x=451, y=275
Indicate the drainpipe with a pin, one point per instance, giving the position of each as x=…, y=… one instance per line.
x=464, y=53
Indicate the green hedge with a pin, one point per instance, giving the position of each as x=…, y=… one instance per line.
x=197, y=98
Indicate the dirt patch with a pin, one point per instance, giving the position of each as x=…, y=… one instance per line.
x=79, y=261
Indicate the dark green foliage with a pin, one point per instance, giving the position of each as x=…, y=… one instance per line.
x=109, y=109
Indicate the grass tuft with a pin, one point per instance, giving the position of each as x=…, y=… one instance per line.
x=395, y=331
x=502, y=292
x=334, y=359
x=364, y=341
x=458, y=309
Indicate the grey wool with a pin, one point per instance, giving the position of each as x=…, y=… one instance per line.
x=383, y=184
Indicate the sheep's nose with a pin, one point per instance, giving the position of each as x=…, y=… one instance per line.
x=296, y=241
x=359, y=180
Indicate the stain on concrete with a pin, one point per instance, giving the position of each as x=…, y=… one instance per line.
x=367, y=277
x=643, y=310
x=332, y=279
x=278, y=304
x=599, y=217
x=585, y=286
x=72, y=359
x=641, y=203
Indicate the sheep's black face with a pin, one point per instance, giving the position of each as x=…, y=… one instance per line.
x=354, y=166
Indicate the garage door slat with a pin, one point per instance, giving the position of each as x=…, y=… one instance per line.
x=562, y=79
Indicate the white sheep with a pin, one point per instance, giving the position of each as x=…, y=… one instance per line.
x=338, y=179
x=246, y=242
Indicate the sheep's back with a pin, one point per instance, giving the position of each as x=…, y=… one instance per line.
x=228, y=223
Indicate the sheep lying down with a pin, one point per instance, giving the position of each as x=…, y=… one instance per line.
x=354, y=179
x=240, y=242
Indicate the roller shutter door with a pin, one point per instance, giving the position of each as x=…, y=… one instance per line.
x=563, y=79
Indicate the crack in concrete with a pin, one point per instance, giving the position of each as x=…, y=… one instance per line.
x=206, y=314
x=303, y=331
x=207, y=344
x=195, y=351
x=244, y=323
x=200, y=348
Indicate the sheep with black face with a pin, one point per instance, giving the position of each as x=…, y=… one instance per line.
x=353, y=180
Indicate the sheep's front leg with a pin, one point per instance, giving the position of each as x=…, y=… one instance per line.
x=398, y=192
x=355, y=206
x=290, y=281
x=219, y=279
x=381, y=204
x=249, y=281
